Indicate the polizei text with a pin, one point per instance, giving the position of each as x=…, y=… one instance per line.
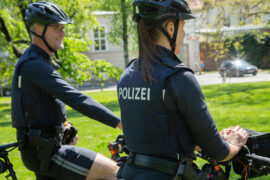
x=134, y=93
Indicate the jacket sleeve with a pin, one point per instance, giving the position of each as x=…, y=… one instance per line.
x=45, y=77
x=191, y=104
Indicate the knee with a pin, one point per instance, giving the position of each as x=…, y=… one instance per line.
x=103, y=168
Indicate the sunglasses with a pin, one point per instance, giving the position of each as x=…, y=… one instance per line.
x=57, y=28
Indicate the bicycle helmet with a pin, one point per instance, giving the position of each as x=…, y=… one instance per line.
x=159, y=11
x=45, y=13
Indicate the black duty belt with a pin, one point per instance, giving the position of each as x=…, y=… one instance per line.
x=183, y=169
x=46, y=145
x=154, y=163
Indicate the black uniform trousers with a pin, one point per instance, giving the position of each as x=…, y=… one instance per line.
x=67, y=163
x=136, y=173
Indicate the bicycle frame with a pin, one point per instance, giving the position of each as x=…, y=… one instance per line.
x=212, y=167
x=243, y=156
x=7, y=165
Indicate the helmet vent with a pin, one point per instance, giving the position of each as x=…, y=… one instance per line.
x=182, y=6
x=148, y=10
x=46, y=13
x=36, y=5
x=159, y=10
x=49, y=11
x=41, y=16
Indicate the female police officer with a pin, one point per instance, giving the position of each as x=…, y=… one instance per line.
x=163, y=111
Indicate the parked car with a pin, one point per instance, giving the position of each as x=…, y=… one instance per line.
x=237, y=68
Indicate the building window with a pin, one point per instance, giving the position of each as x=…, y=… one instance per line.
x=227, y=21
x=100, y=39
x=242, y=20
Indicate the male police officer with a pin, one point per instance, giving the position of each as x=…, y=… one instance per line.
x=38, y=112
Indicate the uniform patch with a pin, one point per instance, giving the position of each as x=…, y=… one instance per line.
x=134, y=93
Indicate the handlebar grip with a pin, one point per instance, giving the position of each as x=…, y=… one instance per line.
x=261, y=159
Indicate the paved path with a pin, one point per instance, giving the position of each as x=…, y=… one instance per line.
x=215, y=78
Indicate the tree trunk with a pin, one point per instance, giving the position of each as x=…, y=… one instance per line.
x=125, y=38
x=22, y=8
x=4, y=30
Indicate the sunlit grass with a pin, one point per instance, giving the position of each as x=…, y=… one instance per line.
x=246, y=104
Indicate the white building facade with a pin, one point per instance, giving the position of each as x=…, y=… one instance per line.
x=103, y=49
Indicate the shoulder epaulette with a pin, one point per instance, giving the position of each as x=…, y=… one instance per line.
x=182, y=67
x=130, y=62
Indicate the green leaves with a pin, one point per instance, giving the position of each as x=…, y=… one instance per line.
x=252, y=47
x=116, y=34
x=76, y=66
x=234, y=14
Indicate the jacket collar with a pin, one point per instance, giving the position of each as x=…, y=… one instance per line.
x=40, y=51
x=166, y=56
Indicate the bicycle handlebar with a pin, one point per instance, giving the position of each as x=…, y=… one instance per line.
x=7, y=146
x=264, y=160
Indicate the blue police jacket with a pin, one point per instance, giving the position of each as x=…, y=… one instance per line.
x=39, y=94
x=170, y=115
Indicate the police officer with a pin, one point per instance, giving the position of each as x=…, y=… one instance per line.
x=38, y=110
x=163, y=111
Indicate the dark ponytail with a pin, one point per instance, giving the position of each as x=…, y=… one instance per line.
x=147, y=37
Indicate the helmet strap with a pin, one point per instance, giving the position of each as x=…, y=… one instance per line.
x=43, y=38
x=48, y=46
x=173, y=39
x=173, y=44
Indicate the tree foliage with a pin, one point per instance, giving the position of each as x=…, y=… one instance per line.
x=116, y=35
x=253, y=49
x=215, y=14
x=75, y=64
x=219, y=16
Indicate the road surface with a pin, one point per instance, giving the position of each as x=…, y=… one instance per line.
x=215, y=78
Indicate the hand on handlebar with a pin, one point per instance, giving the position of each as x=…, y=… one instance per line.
x=67, y=129
x=235, y=135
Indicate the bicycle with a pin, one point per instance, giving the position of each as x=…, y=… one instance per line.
x=252, y=161
x=5, y=164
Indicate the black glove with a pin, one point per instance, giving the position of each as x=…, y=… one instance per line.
x=69, y=134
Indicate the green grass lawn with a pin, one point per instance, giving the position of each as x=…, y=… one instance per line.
x=247, y=105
